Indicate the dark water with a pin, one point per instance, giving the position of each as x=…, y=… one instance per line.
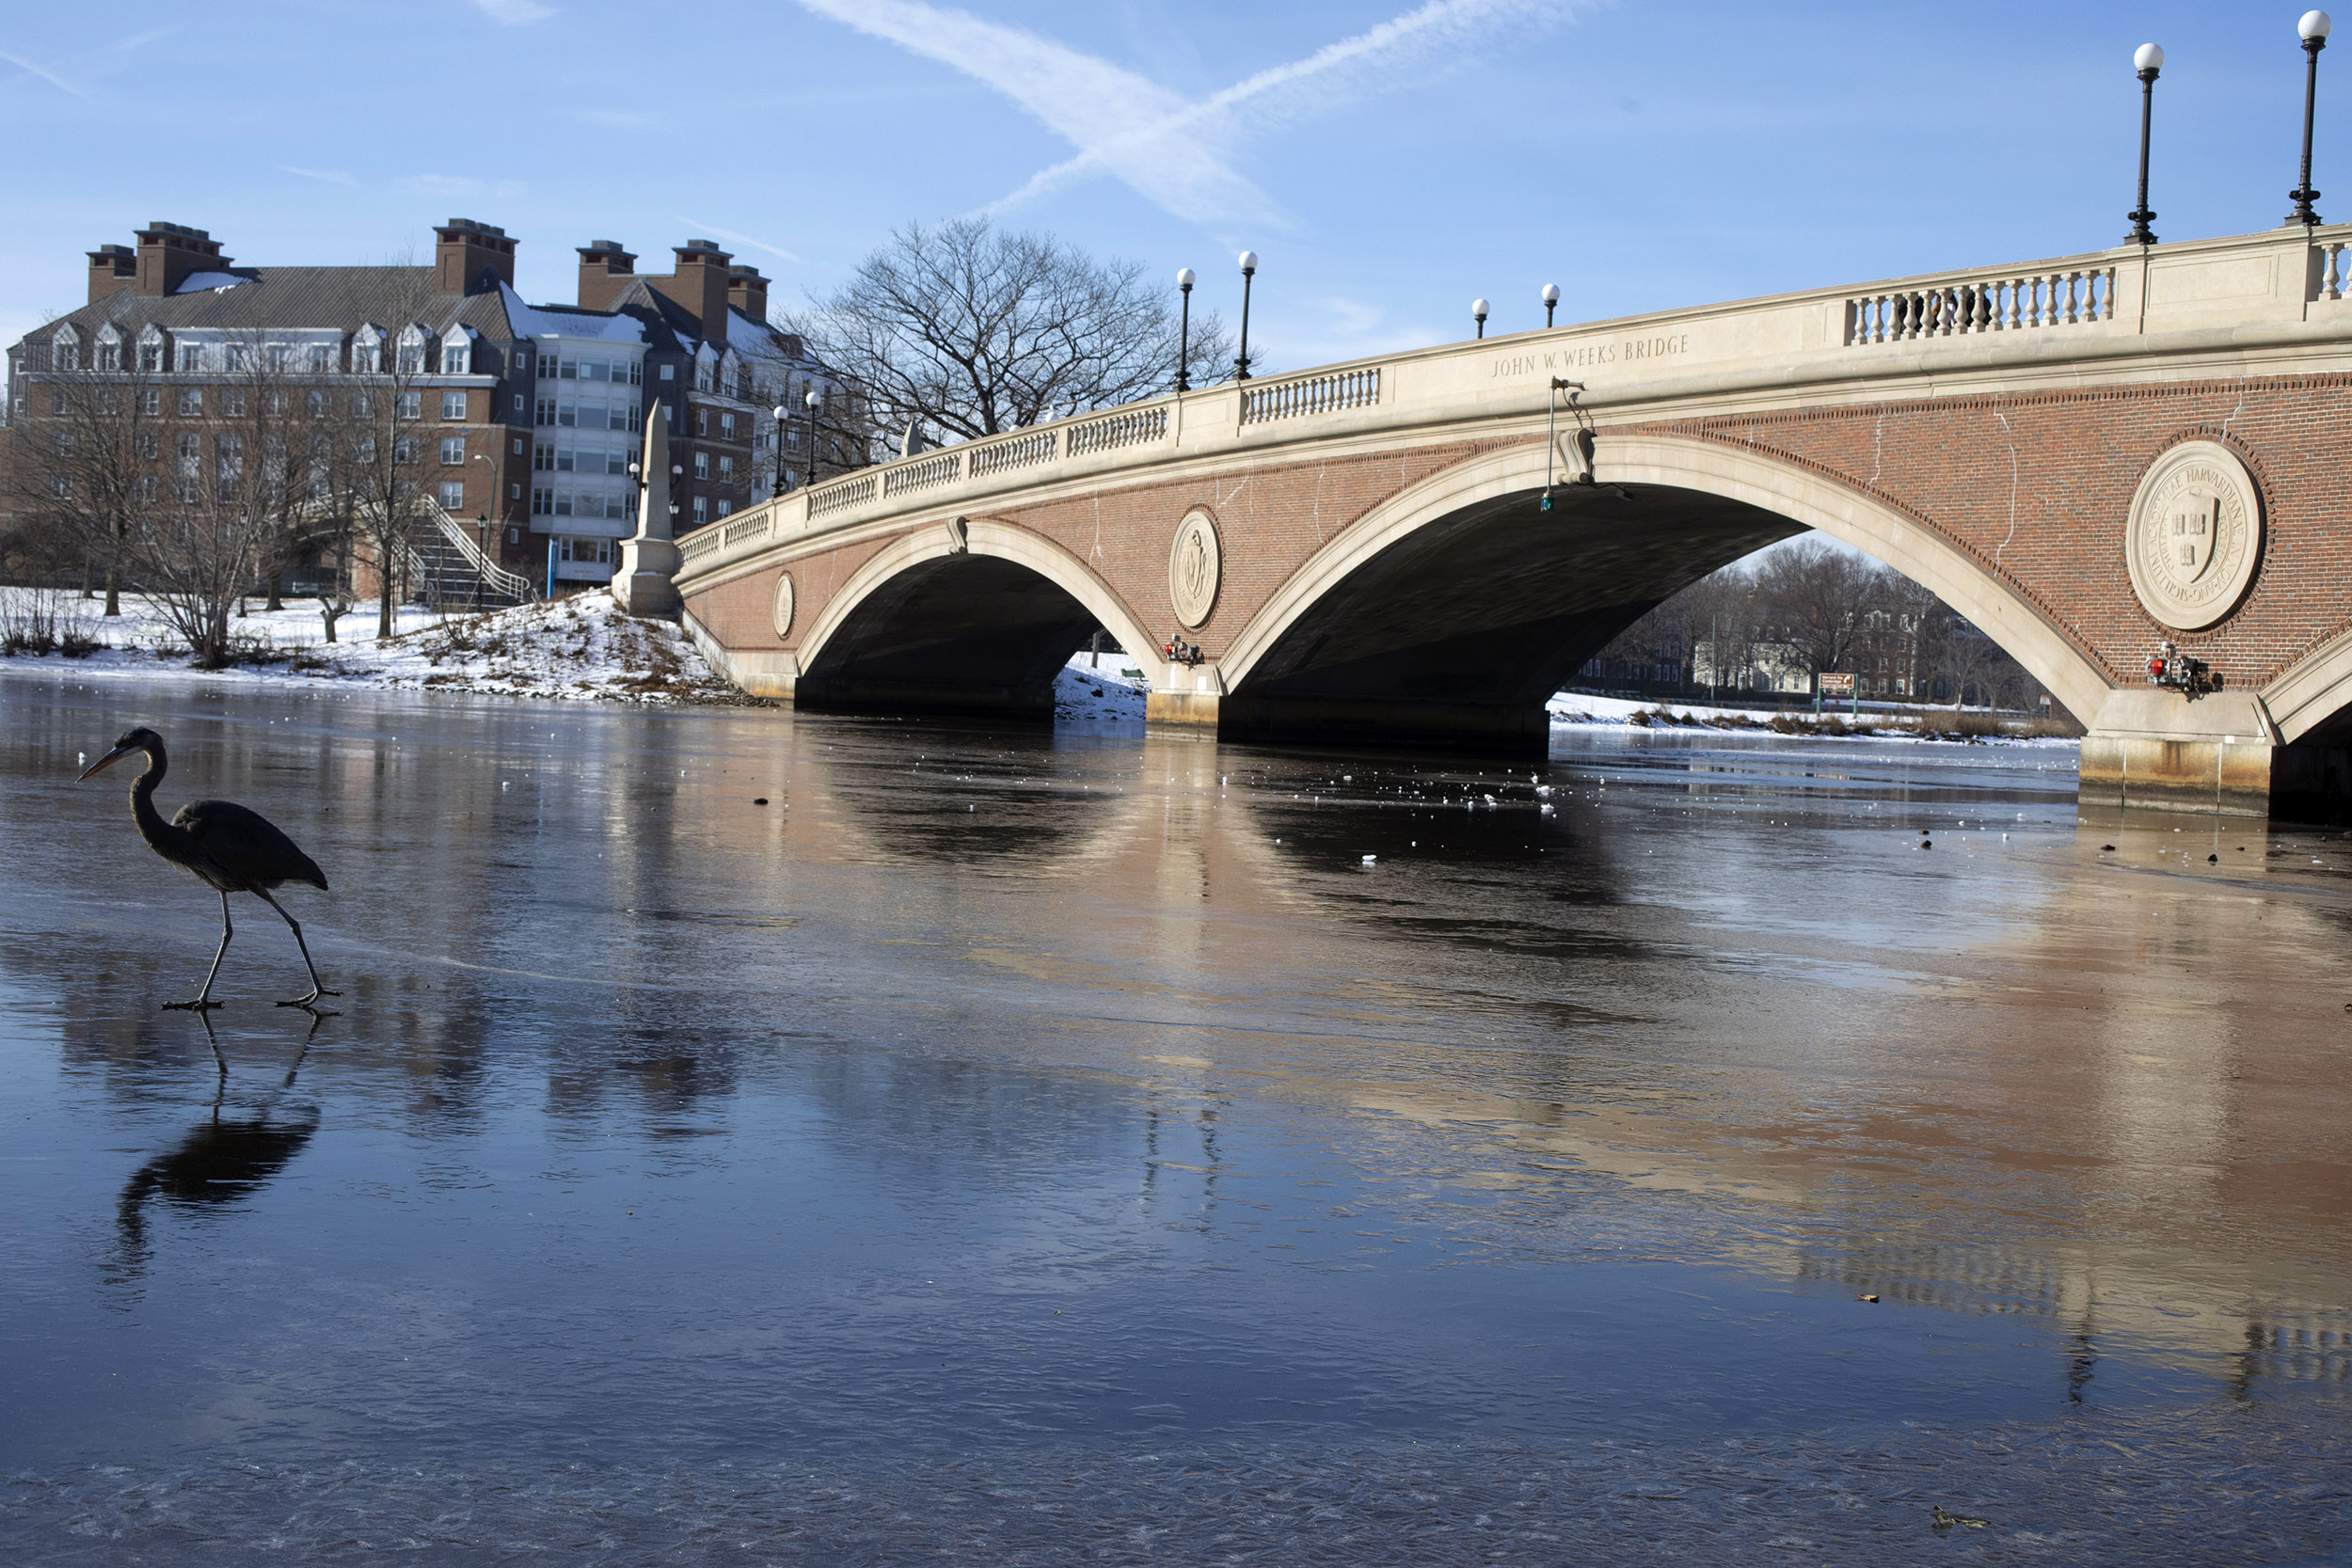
x=1072, y=1152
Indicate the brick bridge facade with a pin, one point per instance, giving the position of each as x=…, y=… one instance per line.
x=1362, y=554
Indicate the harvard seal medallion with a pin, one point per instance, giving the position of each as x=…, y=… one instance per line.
x=2195, y=535
x=784, y=604
x=1194, y=569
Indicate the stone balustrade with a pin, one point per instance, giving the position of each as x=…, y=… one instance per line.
x=2014, y=303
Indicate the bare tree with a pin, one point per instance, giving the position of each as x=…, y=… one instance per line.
x=1819, y=595
x=973, y=331
x=381, y=420
x=85, y=466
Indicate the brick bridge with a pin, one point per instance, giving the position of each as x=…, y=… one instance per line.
x=2083, y=456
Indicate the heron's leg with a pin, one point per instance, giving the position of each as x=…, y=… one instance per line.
x=204, y=997
x=295, y=926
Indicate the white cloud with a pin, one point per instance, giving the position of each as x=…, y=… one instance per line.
x=332, y=177
x=456, y=187
x=47, y=75
x=1173, y=152
x=514, y=13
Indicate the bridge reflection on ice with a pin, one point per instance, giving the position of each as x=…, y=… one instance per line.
x=1078, y=1135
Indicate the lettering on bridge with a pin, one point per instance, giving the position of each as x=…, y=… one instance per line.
x=1580, y=356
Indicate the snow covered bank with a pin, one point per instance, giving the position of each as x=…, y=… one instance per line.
x=576, y=649
x=1576, y=707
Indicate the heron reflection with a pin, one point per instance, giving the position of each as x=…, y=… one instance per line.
x=222, y=1159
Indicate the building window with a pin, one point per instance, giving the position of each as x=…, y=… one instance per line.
x=191, y=356
x=319, y=360
x=792, y=438
x=669, y=373
x=57, y=402
x=61, y=486
x=701, y=510
x=701, y=464
x=542, y=502
x=363, y=405
x=546, y=411
x=518, y=402
x=452, y=406
x=702, y=421
x=233, y=402
x=151, y=357
x=404, y=449
x=726, y=507
x=727, y=467
x=109, y=357
x=452, y=495
x=727, y=427
x=143, y=487
x=453, y=358
x=516, y=492
x=408, y=405
x=453, y=452
x=191, y=402
x=314, y=404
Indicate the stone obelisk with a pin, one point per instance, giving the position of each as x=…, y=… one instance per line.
x=649, y=557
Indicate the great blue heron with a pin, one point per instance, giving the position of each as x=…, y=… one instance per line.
x=226, y=846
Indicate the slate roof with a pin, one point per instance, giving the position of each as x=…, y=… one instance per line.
x=288, y=297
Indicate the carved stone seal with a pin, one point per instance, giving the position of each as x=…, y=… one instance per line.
x=2195, y=535
x=784, y=604
x=1195, y=569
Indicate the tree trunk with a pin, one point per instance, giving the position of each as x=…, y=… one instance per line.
x=276, y=575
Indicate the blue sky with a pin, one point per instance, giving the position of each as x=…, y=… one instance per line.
x=1389, y=160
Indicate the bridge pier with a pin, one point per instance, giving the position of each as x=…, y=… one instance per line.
x=2213, y=756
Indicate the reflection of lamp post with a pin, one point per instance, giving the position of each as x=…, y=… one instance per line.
x=1552, y=299
x=2147, y=60
x=1248, y=270
x=1184, y=331
x=815, y=400
x=2314, y=30
x=1478, y=314
x=780, y=411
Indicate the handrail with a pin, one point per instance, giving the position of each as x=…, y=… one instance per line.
x=495, y=577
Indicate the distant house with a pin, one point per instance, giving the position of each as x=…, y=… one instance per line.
x=528, y=415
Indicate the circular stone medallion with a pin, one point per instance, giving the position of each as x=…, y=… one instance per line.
x=784, y=604
x=2195, y=534
x=1195, y=568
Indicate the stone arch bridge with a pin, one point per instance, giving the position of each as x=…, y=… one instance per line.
x=2085, y=456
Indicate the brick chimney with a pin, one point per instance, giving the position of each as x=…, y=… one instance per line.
x=700, y=284
x=748, y=293
x=112, y=269
x=168, y=252
x=470, y=258
x=605, y=271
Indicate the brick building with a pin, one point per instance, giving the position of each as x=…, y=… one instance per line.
x=525, y=418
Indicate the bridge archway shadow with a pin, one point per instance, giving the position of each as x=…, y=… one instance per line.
x=977, y=621
x=1448, y=616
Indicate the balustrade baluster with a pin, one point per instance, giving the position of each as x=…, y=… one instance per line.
x=2016, y=288
x=2072, y=309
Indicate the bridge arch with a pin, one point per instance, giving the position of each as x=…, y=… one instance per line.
x=974, y=615
x=1663, y=512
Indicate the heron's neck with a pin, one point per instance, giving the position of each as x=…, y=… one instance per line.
x=164, y=838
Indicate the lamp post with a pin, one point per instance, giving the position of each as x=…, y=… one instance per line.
x=2147, y=60
x=2314, y=29
x=1478, y=314
x=780, y=412
x=815, y=400
x=1184, y=330
x=1248, y=270
x=1551, y=301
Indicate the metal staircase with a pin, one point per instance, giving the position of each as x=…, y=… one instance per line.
x=450, y=572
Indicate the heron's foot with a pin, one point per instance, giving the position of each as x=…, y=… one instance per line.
x=310, y=1004
x=199, y=1006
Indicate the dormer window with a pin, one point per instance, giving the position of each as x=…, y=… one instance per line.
x=366, y=351
x=151, y=349
x=65, y=350
x=191, y=356
x=109, y=353
x=457, y=352
x=412, y=350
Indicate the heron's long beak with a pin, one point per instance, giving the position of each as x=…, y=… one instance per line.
x=108, y=760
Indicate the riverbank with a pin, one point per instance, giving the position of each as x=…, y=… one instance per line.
x=586, y=649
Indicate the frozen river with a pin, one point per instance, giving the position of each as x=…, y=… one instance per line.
x=1075, y=1150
